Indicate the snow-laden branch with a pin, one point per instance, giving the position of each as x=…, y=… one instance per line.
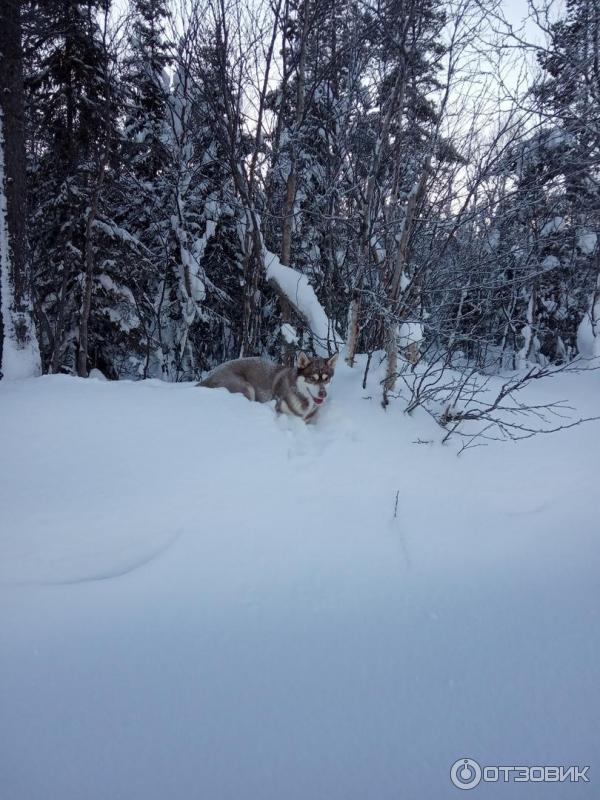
x=298, y=291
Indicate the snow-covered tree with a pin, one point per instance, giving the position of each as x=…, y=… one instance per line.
x=214, y=183
x=568, y=95
x=315, y=104
x=72, y=117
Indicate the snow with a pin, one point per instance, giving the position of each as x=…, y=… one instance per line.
x=109, y=285
x=558, y=138
x=115, y=231
x=528, y=337
x=493, y=240
x=586, y=242
x=97, y=375
x=550, y=263
x=289, y=333
x=410, y=333
x=588, y=331
x=300, y=293
x=554, y=225
x=202, y=600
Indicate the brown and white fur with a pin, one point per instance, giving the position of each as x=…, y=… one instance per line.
x=299, y=391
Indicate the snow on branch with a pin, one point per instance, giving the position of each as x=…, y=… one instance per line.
x=298, y=291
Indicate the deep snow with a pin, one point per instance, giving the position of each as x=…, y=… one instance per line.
x=201, y=600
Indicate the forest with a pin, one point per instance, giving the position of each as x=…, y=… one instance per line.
x=185, y=183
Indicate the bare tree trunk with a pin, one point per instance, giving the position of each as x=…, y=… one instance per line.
x=86, y=302
x=391, y=352
x=252, y=268
x=292, y=181
x=353, y=330
x=244, y=184
x=89, y=261
x=59, y=327
x=16, y=326
x=381, y=148
x=288, y=216
x=391, y=325
x=263, y=96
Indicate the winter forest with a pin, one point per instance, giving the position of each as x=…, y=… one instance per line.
x=185, y=183
x=398, y=203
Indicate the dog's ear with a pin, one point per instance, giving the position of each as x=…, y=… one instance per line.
x=331, y=361
x=303, y=361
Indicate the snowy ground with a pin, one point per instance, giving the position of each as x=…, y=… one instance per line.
x=200, y=601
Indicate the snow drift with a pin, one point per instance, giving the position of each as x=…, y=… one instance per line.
x=202, y=600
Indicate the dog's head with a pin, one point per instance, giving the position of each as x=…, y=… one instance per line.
x=314, y=375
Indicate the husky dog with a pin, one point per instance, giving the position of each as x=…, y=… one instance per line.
x=298, y=390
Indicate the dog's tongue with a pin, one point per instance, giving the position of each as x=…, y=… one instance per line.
x=318, y=400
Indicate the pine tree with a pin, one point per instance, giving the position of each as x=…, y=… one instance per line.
x=314, y=104
x=72, y=121
x=565, y=155
x=146, y=83
x=177, y=209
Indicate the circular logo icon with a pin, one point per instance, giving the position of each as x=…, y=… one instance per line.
x=465, y=773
